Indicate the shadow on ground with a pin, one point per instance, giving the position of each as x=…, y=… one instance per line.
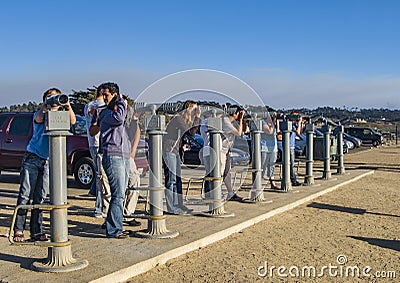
x=347, y=209
x=383, y=243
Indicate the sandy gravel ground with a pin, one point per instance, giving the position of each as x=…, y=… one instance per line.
x=353, y=227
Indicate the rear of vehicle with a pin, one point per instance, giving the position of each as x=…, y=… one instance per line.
x=367, y=135
x=15, y=133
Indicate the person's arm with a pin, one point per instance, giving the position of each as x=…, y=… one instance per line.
x=72, y=117
x=135, y=142
x=239, y=130
x=116, y=117
x=39, y=118
x=268, y=127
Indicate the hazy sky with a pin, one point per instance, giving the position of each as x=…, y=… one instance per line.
x=295, y=53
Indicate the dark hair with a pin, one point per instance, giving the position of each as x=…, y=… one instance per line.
x=50, y=90
x=235, y=109
x=187, y=104
x=98, y=91
x=112, y=87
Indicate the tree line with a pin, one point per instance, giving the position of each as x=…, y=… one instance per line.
x=79, y=99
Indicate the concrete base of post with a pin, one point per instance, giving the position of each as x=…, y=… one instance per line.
x=326, y=175
x=59, y=259
x=286, y=186
x=341, y=171
x=256, y=197
x=157, y=229
x=308, y=180
x=216, y=210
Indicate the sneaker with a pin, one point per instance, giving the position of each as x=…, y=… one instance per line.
x=98, y=216
x=185, y=208
x=119, y=237
x=178, y=211
x=296, y=184
x=133, y=222
x=235, y=197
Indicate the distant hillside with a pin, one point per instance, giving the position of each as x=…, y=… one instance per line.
x=80, y=98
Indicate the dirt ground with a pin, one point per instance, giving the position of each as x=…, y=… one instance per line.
x=353, y=228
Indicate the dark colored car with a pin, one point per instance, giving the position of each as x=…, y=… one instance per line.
x=367, y=135
x=192, y=153
x=16, y=130
x=355, y=141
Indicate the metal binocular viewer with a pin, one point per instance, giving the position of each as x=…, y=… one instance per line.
x=57, y=100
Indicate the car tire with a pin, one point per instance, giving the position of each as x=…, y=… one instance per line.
x=375, y=143
x=84, y=172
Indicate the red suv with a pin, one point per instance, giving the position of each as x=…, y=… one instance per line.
x=16, y=130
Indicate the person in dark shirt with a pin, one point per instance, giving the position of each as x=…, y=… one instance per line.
x=176, y=128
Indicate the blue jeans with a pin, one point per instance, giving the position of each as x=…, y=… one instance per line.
x=173, y=181
x=268, y=160
x=292, y=174
x=34, y=185
x=117, y=171
x=98, y=209
x=93, y=152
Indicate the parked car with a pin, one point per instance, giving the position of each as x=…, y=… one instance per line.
x=192, y=152
x=355, y=141
x=367, y=135
x=16, y=129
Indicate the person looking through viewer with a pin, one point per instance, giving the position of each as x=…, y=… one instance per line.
x=172, y=142
x=297, y=125
x=269, y=149
x=132, y=195
x=101, y=207
x=34, y=174
x=231, y=126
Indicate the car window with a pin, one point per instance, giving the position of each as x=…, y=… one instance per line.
x=80, y=126
x=2, y=119
x=20, y=126
x=367, y=132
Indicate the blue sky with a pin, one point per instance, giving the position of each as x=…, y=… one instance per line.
x=293, y=53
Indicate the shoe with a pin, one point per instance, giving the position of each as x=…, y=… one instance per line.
x=128, y=232
x=90, y=194
x=133, y=222
x=119, y=237
x=19, y=237
x=185, y=208
x=98, y=216
x=178, y=211
x=39, y=237
x=276, y=188
x=235, y=197
x=296, y=184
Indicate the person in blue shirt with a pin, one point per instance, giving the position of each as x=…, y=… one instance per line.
x=296, y=130
x=269, y=149
x=34, y=175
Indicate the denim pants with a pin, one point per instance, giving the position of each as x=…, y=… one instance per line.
x=173, y=181
x=94, y=190
x=93, y=153
x=292, y=174
x=268, y=160
x=117, y=171
x=34, y=185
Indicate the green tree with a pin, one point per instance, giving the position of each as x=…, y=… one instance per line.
x=79, y=99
